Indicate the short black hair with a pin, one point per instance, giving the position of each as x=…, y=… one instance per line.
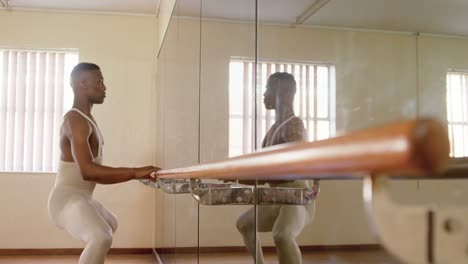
x=82, y=67
x=289, y=78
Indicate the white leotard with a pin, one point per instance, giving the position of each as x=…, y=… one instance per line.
x=270, y=142
x=72, y=207
x=284, y=221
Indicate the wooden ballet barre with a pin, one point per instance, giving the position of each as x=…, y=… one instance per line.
x=410, y=148
x=415, y=149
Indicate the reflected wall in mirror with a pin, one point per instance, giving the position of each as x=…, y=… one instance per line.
x=356, y=64
x=228, y=31
x=382, y=64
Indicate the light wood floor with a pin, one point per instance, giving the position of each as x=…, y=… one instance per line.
x=361, y=257
x=111, y=259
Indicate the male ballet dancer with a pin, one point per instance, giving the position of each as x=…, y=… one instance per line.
x=284, y=221
x=71, y=204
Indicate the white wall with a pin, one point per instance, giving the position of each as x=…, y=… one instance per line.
x=124, y=47
x=437, y=56
x=376, y=82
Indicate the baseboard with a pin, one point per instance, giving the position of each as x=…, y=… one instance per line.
x=241, y=249
x=71, y=251
x=181, y=250
x=156, y=258
x=358, y=247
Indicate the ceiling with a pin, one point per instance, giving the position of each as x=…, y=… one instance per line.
x=107, y=6
x=428, y=16
x=280, y=11
x=425, y=16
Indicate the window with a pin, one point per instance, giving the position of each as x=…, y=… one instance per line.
x=457, y=112
x=34, y=93
x=314, y=102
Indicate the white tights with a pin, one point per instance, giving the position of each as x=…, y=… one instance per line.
x=87, y=220
x=284, y=221
x=90, y=222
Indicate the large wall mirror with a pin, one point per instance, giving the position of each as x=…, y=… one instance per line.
x=345, y=65
x=176, y=221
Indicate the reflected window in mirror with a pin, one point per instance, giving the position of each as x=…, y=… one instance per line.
x=314, y=101
x=457, y=112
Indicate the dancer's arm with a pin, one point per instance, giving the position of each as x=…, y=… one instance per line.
x=78, y=131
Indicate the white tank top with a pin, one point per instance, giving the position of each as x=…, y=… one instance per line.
x=100, y=139
x=69, y=174
x=269, y=143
